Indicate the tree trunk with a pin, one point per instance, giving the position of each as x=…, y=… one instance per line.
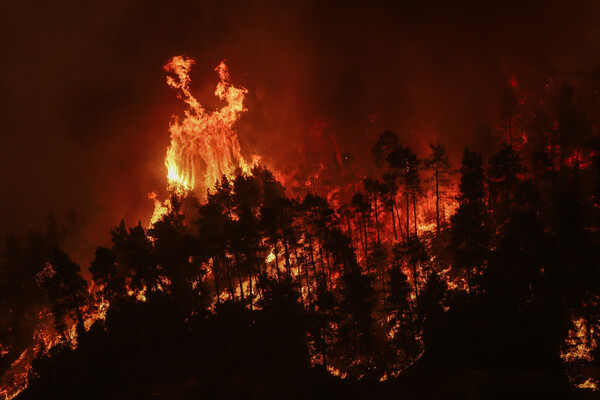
x=366, y=244
x=510, y=138
x=329, y=269
x=376, y=220
x=231, y=291
x=322, y=265
x=312, y=256
x=437, y=200
x=407, y=214
x=394, y=219
x=275, y=251
x=402, y=235
x=239, y=274
x=415, y=210
x=286, y=253
x=216, y=278
x=260, y=293
x=416, y=278
x=349, y=230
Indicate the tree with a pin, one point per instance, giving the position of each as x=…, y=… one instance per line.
x=414, y=254
x=509, y=108
x=541, y=144
x=402, y=322
x=104, y=270
x=174, y=253
x=470, y=235
x=405, y=164
x=274, y=216
x=504, y=171
x=387, y=142
x=431, y=302
x=362, y=209
x=65, y=290
x=376, y=190
x=439, y=163
x=573, y=128
x=133, y=250
x=355, y=331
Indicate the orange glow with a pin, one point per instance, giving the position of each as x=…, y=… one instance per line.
x=204, y=146
x=203, y=135
x=513, y=81
x=578, y=344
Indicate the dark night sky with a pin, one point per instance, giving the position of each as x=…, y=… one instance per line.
x=85, y=108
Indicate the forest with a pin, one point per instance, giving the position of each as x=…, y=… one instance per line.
x=422, y=277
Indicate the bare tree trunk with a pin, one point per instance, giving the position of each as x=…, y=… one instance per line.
x=407, y=214
x=416, y=278
x=402, y=235
x=510, y=136
x=277, y=263
x=300, y=277
x=286, y=251
x=231, y=291
x=250, y=284
x=415, y=210
x=469, y=278
x=239, y=274
x=329, y=269
x=258, y=269
x=349, y=230
x=394, y=219
x=216, y=278
x=437, y=200
x=322, y=265
x=366, y=244
x=312, y=256
x=376, y=220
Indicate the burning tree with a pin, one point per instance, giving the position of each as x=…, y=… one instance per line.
x=234, y=271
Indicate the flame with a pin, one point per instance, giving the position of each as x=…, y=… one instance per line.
x=207, y=135
x=270, y=258
x=204, y=146
x=160, y=208
x=578, y=344
x=590, y=384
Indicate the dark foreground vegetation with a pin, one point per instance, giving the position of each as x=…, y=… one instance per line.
x=360, y=294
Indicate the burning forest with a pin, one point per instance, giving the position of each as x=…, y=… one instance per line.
x=395, y=268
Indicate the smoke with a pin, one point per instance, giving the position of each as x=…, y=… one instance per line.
x=85, y=110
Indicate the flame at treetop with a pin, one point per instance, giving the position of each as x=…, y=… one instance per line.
x=204, y=146
x=205, y=135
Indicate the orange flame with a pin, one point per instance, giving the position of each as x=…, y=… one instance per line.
x=205, y=135
x=204, y=146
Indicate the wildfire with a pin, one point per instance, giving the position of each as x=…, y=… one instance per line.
x=208, y=135
x=579, y=344
x=204, y=146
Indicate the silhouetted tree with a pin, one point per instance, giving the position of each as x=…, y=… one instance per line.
x=65, y=290
x=470, y=234
x=355, y=330
x=133, y=250
x=405, y=164
x=105, y=273
x=505, y=167
x=573, y=130
x=509, y=108
x=403, y=316
x=439, y=163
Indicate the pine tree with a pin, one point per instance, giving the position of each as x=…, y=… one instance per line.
x=470, y=234
x=439, y=163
